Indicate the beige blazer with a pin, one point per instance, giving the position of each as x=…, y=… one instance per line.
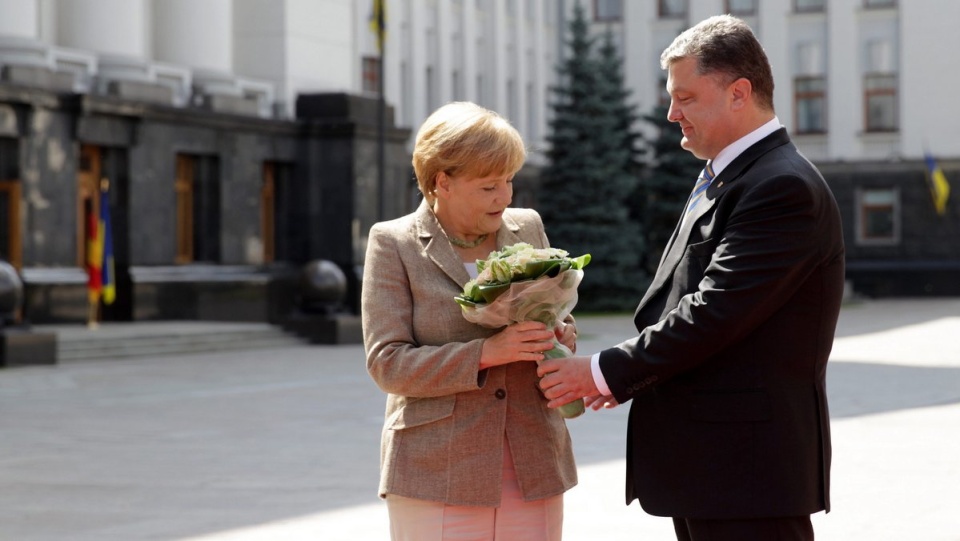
x=445, y=421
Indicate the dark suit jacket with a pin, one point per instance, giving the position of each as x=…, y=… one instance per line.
x=729, y=416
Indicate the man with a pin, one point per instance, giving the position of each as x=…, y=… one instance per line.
x=728, y=430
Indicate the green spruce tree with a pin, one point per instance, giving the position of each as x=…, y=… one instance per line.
x=666, y=187
x=585, y=190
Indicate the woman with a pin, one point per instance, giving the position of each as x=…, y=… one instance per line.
x=469, y=448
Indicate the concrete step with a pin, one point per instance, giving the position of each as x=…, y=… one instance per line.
x=148, y=339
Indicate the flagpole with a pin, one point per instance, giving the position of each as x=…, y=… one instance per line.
x=381, y=119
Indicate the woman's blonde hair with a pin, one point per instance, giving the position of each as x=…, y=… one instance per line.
x=464, y=138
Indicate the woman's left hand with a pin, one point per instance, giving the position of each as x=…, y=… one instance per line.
x=566, y=334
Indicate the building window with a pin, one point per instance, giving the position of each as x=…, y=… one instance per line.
x=880, y=103
x=672, y=9
x=431, y=90
x=279, y=214
x=268, y=212
x=481, y=90
x=878, y=212
x=533, y=125
x=607, y=10
x=197, y=186
x=870, y=4
x=513, y=102
x=663, y=95
x=811, y=104
x=406, y=94
x=809, y=6
x=371, y=74
x=10, y=248
x=742, y=8
x=456, y=85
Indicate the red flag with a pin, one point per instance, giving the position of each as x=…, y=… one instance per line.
x=94, y=258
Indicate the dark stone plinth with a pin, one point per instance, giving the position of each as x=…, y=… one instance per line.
x=326, y=328
x=23, y=347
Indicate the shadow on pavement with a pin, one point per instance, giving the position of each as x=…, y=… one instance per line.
x=863, y=388
x=864, y=317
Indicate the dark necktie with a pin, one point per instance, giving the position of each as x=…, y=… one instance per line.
x=703, y=182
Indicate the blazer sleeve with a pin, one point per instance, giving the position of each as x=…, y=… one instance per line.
x=396, y=361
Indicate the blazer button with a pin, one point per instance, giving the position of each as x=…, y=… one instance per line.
x=501, y=394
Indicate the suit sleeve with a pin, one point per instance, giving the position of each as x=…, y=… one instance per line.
x=768, y=247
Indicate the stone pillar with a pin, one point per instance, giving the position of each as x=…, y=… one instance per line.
x=341, y=181
x=20, y=18
x=111, y=27
x=194, y=34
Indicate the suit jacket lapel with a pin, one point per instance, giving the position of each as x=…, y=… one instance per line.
x=676, y=247
x=681, y=235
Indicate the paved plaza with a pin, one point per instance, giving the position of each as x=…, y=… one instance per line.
x=282, y=444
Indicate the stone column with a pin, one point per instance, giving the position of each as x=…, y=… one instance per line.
x=194, y=34
x=111, y=27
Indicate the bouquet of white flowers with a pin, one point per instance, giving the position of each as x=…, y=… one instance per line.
x=523, y=283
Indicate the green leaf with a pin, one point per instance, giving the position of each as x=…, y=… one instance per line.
x=581, y=262
x=536, y=269
x=490, y=292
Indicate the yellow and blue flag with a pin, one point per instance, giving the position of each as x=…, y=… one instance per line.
x=108, y=281
x=939, y=187
x=378, y=22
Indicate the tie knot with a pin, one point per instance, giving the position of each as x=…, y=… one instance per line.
x=708, y=171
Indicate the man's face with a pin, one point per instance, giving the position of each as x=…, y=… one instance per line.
x=702, y=107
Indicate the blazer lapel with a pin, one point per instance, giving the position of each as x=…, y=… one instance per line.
x=508, y=233
x=439, y=250
x=436, y=246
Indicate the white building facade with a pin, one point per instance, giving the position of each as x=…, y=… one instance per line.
x=864, y=88
x=856, y=79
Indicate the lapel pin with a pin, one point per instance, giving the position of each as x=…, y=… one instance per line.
x=720, y=185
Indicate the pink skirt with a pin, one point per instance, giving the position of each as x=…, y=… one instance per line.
x=420, y=520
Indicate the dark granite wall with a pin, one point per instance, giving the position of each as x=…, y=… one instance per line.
x=327, y=195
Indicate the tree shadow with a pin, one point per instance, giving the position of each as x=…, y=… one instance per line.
x=865, y=388
x=871, y=316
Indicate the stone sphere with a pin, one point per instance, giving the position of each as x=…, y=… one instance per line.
x=322, y=284
x=11, y=290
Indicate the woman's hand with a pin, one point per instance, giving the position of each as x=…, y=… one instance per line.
x=566, y=334
x=525, y=341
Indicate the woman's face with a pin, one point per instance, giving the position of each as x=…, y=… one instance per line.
x=472, y=205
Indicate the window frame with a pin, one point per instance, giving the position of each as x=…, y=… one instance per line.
x=742, y=12
x=879, y=4
x=807, y=95
x=665, y=10
x=370, y=74
x=604, y=18
x=797, y=8
x=869, y=94
x=865, y=209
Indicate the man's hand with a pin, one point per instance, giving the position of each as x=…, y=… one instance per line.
x=598, y=401
x=565, y=380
